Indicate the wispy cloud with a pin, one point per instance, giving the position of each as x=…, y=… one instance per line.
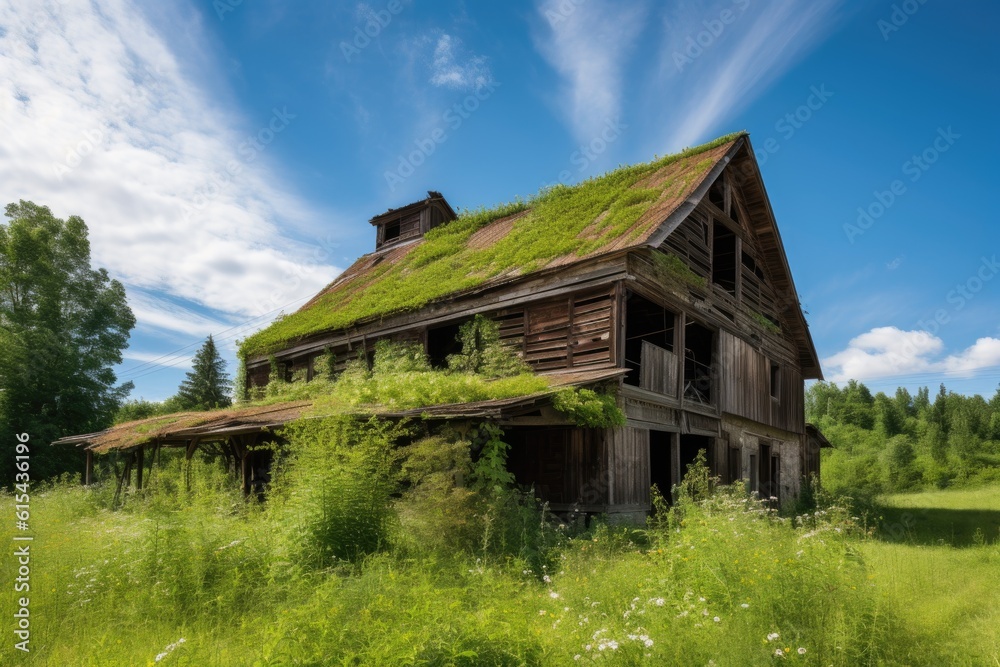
x=453, y=67
x=889, y=352
x=101, y=121
x=589, y=47
x=714, y=63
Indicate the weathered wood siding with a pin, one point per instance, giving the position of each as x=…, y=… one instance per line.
x=628, y=463
x=569, y=332
x=746, y=386
x=658, y=370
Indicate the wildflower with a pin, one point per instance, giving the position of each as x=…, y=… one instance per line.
x=779, y=653
x=547, y=579
x=745, y=605
x=576, y=657
x=802, y=651
x=648, y=642
x=659, y=602
x=541, y=612
x=716, y=619
x=774, y=635
x=553, y=595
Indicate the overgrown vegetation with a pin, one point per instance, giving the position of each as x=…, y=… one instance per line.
x=427, y=555
x=561, y=221
x=904, y=442
x=671, y=268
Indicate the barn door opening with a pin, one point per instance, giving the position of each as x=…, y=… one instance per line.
x=690, y=446
x=660, y=468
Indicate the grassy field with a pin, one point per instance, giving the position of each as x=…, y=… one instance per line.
x=937, y=557
x=203, y=579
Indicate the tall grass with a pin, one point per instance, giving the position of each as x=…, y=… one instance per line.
x=367, y=553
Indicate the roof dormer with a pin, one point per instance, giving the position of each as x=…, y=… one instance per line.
x=411, y=221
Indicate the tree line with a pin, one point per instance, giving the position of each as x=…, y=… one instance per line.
x=893, y=443
x=63, y=327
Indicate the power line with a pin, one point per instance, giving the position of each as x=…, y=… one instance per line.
x=154, y=365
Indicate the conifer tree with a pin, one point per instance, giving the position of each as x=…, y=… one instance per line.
x=207, y=384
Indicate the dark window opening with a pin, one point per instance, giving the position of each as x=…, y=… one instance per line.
x=775, y=380
x=754, y=474
x=645, y=321
x=735, y=465
x=441, y=342
x=734, y=211
x=724, y=258
x=751, y=264
x=698, y=348
x=391, y=231
x=717, y=194
x=767, y=475
x=660, y=472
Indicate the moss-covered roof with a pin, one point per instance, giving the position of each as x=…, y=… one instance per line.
x=560, y=226
x=486, y=398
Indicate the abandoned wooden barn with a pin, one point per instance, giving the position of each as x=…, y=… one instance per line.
x=666, y=284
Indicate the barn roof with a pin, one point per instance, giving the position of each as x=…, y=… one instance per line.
x=561, y=226
x=631, y=207
x=180, y=429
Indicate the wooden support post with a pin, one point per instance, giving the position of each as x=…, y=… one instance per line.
x=139, y=455
x=88, y=470
x=675, y=460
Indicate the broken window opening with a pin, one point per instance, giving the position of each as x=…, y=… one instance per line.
x=699, y=343
x=645, y=321
x=775, y=380
x=391, y=231
x=724, y=258
x=443, y=341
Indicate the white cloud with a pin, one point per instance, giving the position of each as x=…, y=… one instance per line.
x=588, y=43
x=888, y=352
x=729, y=68
x=453, y=68
x=100, y=121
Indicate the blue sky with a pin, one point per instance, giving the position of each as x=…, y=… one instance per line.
x=227, y=155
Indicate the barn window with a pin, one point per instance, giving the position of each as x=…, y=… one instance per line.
x=699, y=343
x=442, y=342
x=392, y=231
x=775, y=380
x=649, y=322
x=724, y=258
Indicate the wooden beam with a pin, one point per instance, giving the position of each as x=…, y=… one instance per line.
x=88, y=470
x=139, y=454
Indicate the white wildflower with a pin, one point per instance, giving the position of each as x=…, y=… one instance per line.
x=774, y=635
x=716, y=619
x=802, y=651
x=745, y=605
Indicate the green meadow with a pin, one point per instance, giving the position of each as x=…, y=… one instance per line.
x=410, y=568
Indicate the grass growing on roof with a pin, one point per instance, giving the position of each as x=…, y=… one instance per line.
x=562, y=221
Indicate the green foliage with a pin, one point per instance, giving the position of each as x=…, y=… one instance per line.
x=483, y=353
x=884, y=444
x=206, y=386
x=63, y=326
x=122, y=587
x=764, y=322
x=671, y=268
x=337, y=489
x=142, y=409
x=586, y=407
x=561, y=221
